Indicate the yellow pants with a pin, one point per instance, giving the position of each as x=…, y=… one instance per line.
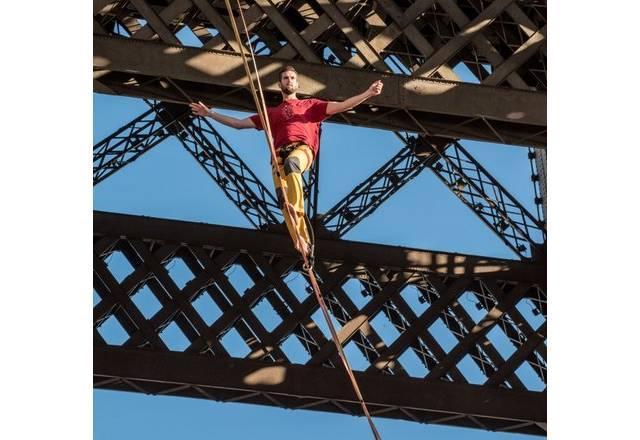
x=291, y=169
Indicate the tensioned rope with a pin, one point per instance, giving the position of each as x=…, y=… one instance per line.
x=258, y=97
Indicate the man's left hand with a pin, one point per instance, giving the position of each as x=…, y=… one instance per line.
x=375, y=89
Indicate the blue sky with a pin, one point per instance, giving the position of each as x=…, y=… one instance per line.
x=46, y=173
x=167, y=182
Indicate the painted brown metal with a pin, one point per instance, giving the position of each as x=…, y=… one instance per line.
x=225, y=69
x=363, y=35
x=267, y=375
x=156, y=372
x=350, y=252
x=516, y=114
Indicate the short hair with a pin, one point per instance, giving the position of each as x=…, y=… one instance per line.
x=286, y=69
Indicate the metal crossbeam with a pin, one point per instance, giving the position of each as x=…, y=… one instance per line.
x=363, y=336
x=461, y=173
x=211, y=253
x=407, y=37
x=514, y=326
x=493, y=204
x=400, y=314
x=207, y=147
x=538, y=161
x=480, y=42
x=365, y=198
x=456, y=169
x=282, y=299
x=479, y=330
x=469, y=31
x=444, y=108
x=338, y=47
x=231, y=173
x=444, y=263
x=219, y=23
x=315, y=388
x=156, y=22
x=484, y=354
x=403, y=22
x=132, y=140
x=519, y=57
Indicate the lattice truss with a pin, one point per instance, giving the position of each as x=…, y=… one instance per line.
x=506, y=44
x=487, y=40
x=401, y=326
x=433, y=42
x=523, y=233
x=432, y=345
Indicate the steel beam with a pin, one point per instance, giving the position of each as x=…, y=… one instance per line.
x=132, y=140
x=461, y=173
x=350, y=31
x=483, y=353
x=354, y=326
x=293, y=385
x=535, y=43
x=470, y=30
x=341, y=29
x=229, y=171
x=517, y=115
x=156, y=24
x=204, y=143
x=480, y=41
x=490, y=201
x=540, y=177
x=282, y=299
x=352, y=252
x=315, y=29
x=403, y=22
x=519, y=355
x=213, y=253
x=425, y=346
x=364, y=115
x=514, y=325
x=220, y=24
x=478, y=331
x=225, y=69
x=365, y=338
x=288, y=31
x=365, y=198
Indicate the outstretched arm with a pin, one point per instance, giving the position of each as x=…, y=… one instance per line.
x=338, y=107
x=199, y=109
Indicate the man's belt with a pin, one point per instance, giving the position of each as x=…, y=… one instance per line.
x=286, y=150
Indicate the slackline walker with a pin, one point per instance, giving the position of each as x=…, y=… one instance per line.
x=293, y=144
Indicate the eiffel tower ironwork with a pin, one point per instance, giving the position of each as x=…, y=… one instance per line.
x=454, y=70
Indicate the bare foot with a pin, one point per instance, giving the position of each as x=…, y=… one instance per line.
x=301, y=245
x=303, y=248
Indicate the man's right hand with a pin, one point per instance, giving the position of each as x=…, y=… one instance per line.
x=199, y=109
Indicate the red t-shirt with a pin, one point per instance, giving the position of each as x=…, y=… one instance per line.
x=295, y=120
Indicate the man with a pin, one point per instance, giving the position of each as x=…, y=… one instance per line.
x=295, y=126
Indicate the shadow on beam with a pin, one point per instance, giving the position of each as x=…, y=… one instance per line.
x=352, y=252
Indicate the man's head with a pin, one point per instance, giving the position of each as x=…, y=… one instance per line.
x=288, y=80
